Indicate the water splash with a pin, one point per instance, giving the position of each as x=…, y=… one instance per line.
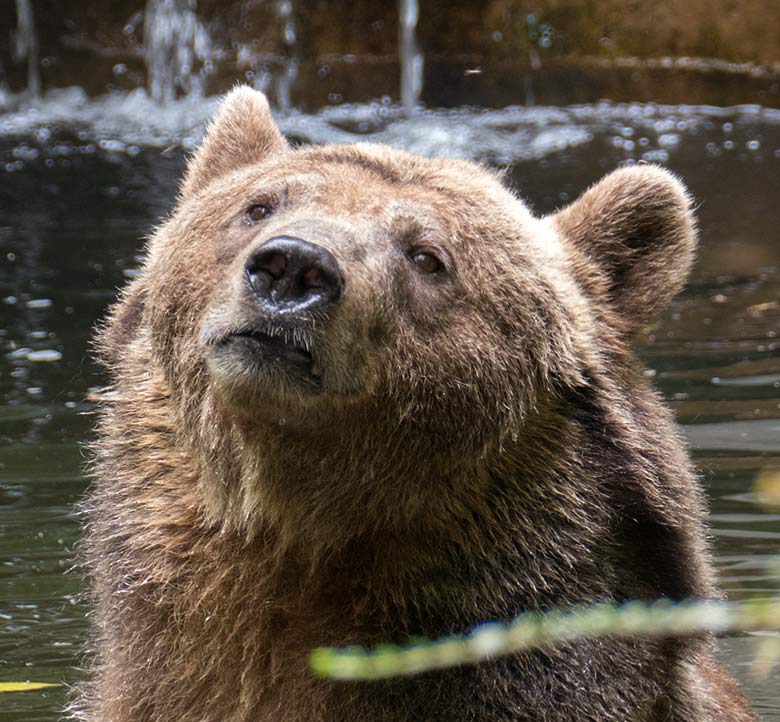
x=411, y=57
x=67, y=123
x=26, y=47
x=286, y=78
x=175, y=42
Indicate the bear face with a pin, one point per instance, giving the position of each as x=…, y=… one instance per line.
x=333, y=296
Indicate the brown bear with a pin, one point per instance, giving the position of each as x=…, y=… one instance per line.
x=360, y=396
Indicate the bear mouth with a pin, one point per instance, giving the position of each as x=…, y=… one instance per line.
x=269, y=351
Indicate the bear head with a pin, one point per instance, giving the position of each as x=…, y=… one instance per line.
x=354, y=332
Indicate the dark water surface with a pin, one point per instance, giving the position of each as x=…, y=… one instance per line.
x=70, y=222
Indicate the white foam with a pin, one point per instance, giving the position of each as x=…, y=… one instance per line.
x=125, y=122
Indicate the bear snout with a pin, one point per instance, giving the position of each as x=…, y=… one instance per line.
x=290, y=275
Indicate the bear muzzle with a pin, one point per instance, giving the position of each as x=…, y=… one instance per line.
x=262, y=331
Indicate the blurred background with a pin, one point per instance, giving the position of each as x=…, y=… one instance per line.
x=101, y=102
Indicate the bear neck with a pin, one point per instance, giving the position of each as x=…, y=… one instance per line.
x=367, y=479
x=527, y=523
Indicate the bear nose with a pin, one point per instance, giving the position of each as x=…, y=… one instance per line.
x=290, y=274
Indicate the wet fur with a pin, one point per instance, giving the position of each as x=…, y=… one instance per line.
x=485, y=446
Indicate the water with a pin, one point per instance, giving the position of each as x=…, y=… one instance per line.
x=81, y=182
x=27, y=45
x=411, y=57
x=289, y=69
x=177, y=49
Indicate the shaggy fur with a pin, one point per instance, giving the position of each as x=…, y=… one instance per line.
x=468, y=444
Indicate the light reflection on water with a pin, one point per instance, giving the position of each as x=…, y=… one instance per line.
x=69, y=237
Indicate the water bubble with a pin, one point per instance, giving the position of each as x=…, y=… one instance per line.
x=39, y=303
x=713, y=150
x=44, y=356
x=667, y=140
x=34, y=390
x=11, y=256
x=728, y=145
x=119, y=69
x=497, y=36
x=753, y=145
x=728, y=127
x=19, y=353
x=25, y=152
x=655, y=156
x=112, y=146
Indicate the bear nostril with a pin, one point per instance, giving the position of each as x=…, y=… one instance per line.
x=274, y=265
x=289, y=274
x=313, y=278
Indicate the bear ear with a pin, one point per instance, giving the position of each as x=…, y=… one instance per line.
x=633, y=236
x=243, y=133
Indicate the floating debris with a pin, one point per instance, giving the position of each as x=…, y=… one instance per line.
x=767, y=486
x=534, y=630
x=25, y=686
x=764, y=307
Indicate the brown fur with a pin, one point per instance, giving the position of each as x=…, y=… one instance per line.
x=483, y=443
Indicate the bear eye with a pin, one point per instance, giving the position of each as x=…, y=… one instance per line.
x=258, y=212
x=426, y=262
